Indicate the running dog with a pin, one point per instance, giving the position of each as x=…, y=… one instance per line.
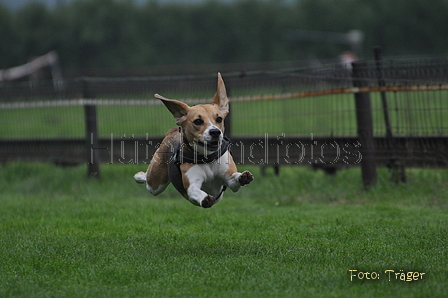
x=195, y=156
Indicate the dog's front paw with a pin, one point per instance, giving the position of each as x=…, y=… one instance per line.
x=208, y=201
x=245, y=178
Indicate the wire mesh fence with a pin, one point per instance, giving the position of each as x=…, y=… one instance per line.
x=301, y=102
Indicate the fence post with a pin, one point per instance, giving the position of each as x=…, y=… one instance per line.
x=93, y=166
x=365, y=125
x=381, y=83
x=396, y=169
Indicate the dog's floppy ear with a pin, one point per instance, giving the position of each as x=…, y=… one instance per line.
x=220, y=100
x=177, y=108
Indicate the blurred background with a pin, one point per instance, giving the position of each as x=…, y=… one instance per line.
x=74, y=69
x=157, y=37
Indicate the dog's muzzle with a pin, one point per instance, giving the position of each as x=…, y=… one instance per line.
x=213, y=141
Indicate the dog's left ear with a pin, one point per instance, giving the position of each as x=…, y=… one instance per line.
x=220, y=100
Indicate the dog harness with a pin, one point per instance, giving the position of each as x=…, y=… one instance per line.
x=180, y=156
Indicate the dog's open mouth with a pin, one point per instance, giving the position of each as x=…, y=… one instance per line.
x=211, y=146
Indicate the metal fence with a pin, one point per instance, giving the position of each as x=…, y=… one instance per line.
x=303, y=116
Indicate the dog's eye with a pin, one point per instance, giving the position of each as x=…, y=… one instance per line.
x=198, y=122
x=219, y=120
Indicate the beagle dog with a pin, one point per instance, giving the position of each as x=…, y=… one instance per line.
x=195, y=156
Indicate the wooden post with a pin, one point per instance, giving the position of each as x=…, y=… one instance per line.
x=396, y=168
x=365, y=125
x=381, y=83
x=93, y=165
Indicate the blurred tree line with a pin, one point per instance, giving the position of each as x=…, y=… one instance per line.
x=116, y=34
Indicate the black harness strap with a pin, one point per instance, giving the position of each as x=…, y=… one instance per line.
x=180, y=156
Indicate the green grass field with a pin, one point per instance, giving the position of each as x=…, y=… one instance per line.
x=295, y=235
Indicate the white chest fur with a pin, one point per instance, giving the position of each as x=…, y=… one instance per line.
x=208, y=177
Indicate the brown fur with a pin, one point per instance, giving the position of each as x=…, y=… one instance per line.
x=157, y=176
x=157, y=173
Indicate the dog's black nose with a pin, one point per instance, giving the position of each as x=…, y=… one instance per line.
x=214, y=132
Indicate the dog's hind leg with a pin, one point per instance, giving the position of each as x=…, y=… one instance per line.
x=140, y=177
x=158, y=190
x=153, y=187
x=156, y=177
